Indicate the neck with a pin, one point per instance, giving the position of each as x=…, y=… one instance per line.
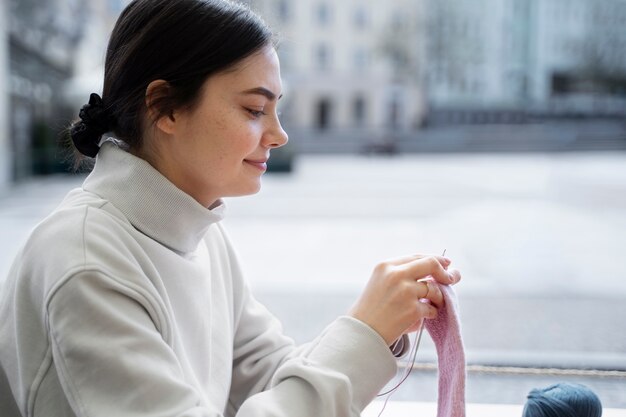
x=152, y=154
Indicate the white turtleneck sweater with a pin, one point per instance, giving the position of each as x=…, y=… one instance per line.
x=128, y=300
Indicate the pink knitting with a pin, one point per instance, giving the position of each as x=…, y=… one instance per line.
x=445, y=331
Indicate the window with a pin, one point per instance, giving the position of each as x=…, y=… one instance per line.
x=359, y=111
x=360, y=18
x=397, y=19
x=324, y=110
x=283, y=10
x=323, y=57
x=394, y=114
x=361, y=59
x=323, y=14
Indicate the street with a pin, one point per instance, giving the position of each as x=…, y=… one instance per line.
x=539, y=239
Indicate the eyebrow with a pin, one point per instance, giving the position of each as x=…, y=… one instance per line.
x=263, y=92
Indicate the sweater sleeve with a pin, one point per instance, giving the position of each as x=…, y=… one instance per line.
x=111, y=357
x=337, y=374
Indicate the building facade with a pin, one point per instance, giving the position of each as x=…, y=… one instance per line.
x=55, y=52
x=581, y=68
x=503, y=60
x=362, y=70
x=357, y=73
x=42, y=40
x=350, y=78
x=89, y=56
x=5, y=156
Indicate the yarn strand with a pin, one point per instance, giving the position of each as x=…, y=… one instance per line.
x=412, y=355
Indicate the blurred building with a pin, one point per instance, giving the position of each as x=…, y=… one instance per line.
x=5, y=171
x=90, y=52
x=358, y=74
x=349, y=74
x=501, y=60
x=42, y=39
x=53, y=58
x=580, y=65
x=478, y=55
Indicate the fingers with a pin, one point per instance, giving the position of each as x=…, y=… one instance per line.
x=456, y=274
x=394, y=299
x=426, y=310
x=431, y=293
x=429, y=266
x=410, y=258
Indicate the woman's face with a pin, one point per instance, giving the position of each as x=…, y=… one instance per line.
x=221, y=146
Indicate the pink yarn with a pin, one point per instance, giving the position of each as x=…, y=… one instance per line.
x=445, y=331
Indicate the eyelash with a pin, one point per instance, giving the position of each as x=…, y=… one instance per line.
x=259, y=113
x=256, y=113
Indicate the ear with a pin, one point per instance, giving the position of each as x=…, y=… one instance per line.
x=155, y=91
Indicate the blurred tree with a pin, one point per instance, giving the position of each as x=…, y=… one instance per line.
x=603, y=50
x=399, y=45
x=402, y=45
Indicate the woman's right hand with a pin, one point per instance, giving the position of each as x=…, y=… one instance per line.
x=390, y=303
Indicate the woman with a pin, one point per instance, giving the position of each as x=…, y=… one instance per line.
x=128, y=300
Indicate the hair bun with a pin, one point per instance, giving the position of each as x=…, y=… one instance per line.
x=94, y=122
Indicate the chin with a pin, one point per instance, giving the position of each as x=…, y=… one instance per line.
x=248, y=190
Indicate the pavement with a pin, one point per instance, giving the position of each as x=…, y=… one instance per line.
x=538, y=237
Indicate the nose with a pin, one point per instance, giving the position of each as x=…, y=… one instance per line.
x=276, y=136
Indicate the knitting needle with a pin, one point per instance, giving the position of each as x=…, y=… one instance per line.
x=413, y=355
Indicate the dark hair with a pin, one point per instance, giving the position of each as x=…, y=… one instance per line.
x=563, y=400
x=182, y=42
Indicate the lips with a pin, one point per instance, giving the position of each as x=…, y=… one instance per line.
x=260, y=164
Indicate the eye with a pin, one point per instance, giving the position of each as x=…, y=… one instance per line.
x=256, y=113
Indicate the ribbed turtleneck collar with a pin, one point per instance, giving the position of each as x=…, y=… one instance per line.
x=151, y=203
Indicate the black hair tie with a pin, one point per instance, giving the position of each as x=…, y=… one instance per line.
x=94, y=122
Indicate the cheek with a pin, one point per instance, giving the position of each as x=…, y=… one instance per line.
x=243, y=138
x=221, y=120
x=207, y=135
x=223, y=137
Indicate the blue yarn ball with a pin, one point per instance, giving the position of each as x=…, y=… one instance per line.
x=562, y=400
